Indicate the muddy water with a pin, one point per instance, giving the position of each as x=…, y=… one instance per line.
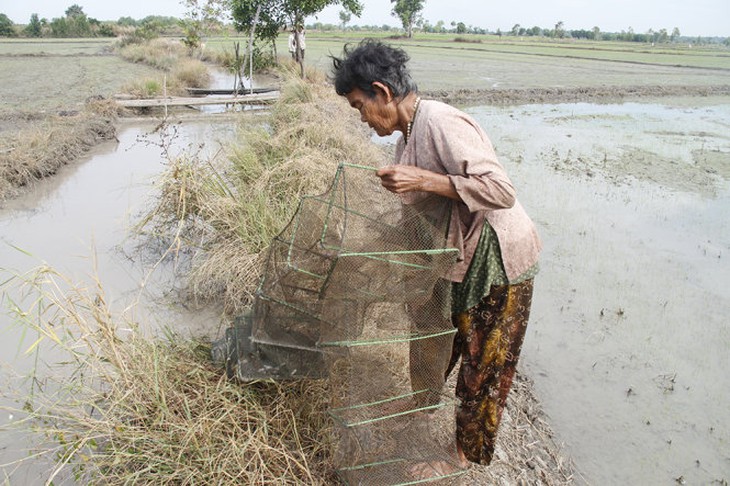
x=79, y=222
x=628, y=339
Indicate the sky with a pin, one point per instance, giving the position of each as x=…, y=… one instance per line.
x=692, y=17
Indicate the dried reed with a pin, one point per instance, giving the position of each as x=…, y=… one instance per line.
x=230, y=211
x=133, y=410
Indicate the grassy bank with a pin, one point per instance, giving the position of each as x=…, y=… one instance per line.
x=129, y=408
x=47, y=121
x=42, y=148
x=229, y=214
x=135, y=409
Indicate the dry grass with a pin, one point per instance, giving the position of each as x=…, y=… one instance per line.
x=40, y=148
x=162, y=54
x=231, y=212
x=132, y=410
x=150, y=411
x=179, y=68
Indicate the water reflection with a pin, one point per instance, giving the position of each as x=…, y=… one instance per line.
x=628, y=341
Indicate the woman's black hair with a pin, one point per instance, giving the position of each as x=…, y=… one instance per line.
x=371, y=61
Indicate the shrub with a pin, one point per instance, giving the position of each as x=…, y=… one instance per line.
x=191, y=73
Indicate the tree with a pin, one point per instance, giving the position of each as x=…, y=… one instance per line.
x=559, y=30
x=596, y=33
x=200, y=18
x=75, y=11
x=34, y=27
x=516, y=30
x=74, y=24
x=461, y=28
x=408, y=12
x=675, y=34
x=7, y=28
x=345, y=18
x=274, y=15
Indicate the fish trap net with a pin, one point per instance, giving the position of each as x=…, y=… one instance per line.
x=353, y=290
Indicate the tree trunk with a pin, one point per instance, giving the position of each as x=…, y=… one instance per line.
x=250, y=47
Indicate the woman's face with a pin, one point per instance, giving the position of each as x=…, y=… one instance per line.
x=379, y=112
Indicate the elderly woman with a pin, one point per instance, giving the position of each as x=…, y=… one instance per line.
x=443, y=151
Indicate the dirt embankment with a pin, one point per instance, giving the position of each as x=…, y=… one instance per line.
x=44, y=145
x=601, y=94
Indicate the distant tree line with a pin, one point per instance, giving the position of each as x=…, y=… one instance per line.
x=660, y=36
x=75, y=23
x=206, y=16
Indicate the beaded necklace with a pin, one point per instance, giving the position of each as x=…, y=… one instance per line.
x=410, y=122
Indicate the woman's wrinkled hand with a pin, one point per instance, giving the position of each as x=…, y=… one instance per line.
x=402, y=178
x=407, y=178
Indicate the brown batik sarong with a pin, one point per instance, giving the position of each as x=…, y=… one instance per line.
x=489, y=340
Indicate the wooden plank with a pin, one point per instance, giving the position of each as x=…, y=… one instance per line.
x=218, y=100
x=240, y=91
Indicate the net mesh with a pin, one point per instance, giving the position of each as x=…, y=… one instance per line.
x=353, y=290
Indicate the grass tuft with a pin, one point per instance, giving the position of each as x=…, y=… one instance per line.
x=179, y=70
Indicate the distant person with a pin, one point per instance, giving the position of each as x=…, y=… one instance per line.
x=292, y=44
x=297, y=39
x=301, y=39
x=443, y=151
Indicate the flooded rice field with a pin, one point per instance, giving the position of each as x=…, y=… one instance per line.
x=628, y=337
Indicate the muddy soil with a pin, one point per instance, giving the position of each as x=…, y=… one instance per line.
x=627, y=340
x=588, y=94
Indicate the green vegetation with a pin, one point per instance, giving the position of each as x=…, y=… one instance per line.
x=204, y=18
x=263, y=21
x=408, y=11
x=6, y=26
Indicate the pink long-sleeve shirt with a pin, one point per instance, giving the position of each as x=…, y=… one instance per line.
x=448, y=141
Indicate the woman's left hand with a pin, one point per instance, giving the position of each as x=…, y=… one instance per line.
x=402, y=178
x=407, y=178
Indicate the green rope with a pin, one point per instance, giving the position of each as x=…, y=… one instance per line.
x=372, y=464
x=357, y=166
x=396, y=339
x=393, y=415
x=380, y=402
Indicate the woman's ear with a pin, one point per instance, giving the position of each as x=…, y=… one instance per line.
x=384, y=90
